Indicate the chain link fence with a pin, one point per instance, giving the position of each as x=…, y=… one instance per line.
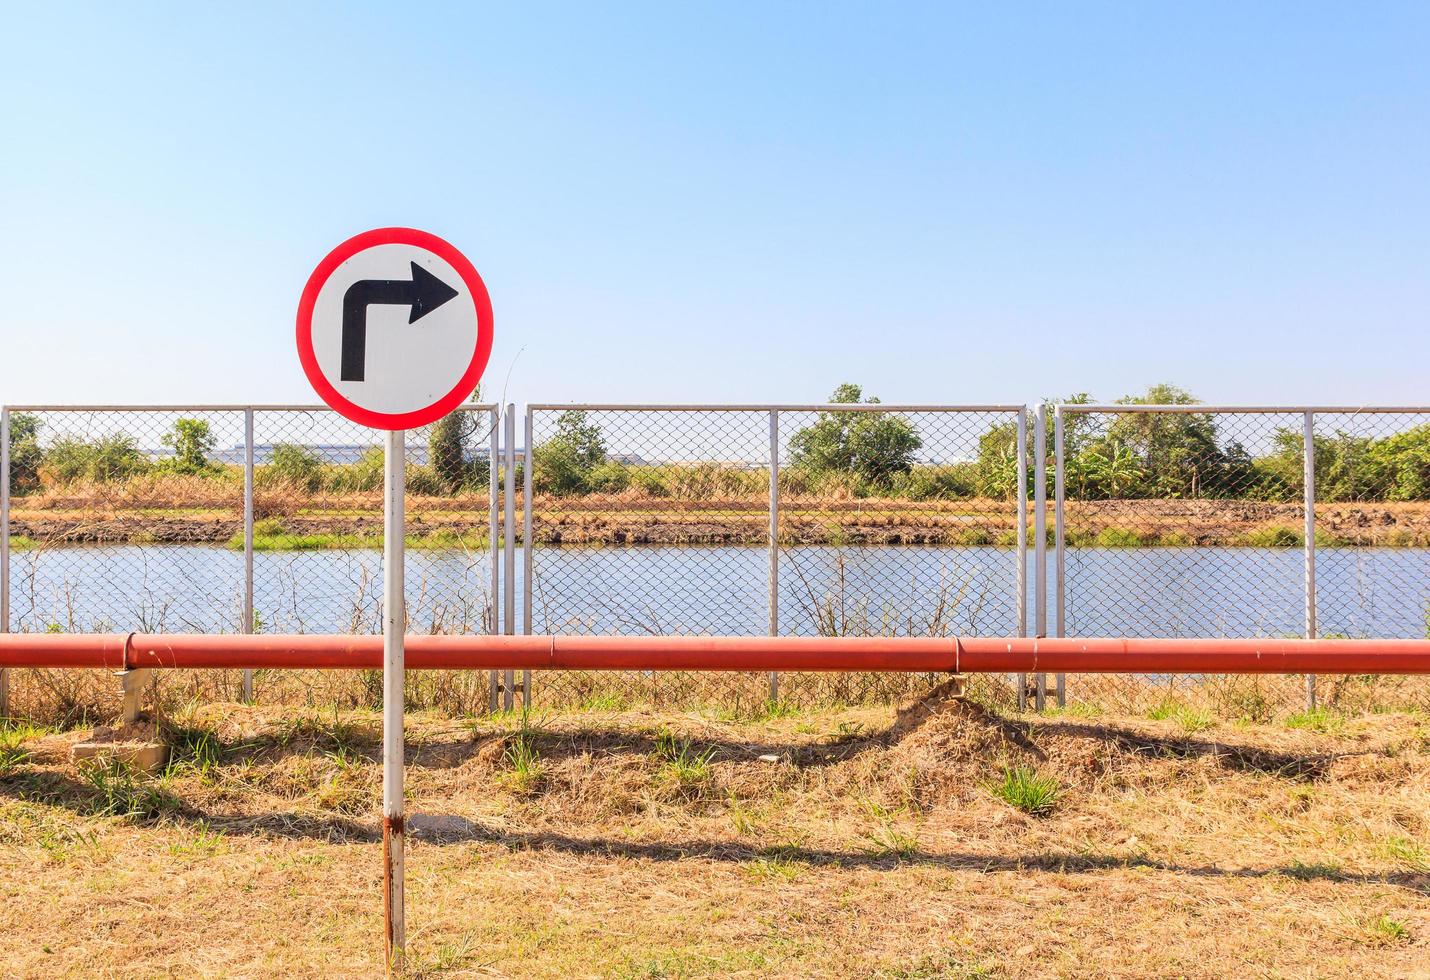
x=237, y=519
x=843, y=519
x=1188, y=520
x=794, y=520
x=899, y=522
x=646, y=521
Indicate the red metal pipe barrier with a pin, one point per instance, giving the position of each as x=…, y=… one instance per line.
x=1134, y=655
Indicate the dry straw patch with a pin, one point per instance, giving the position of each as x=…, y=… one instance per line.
x=854, y=843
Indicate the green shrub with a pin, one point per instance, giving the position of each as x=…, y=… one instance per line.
x=293, y=466
x=26, y=456
x=649, y=480
x=563, y=463
x=872, y=446
x=609, y=477
x=936, y=482
x=108, y=458
x=363, y=476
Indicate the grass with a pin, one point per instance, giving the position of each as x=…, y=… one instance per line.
x=120, y=791
x=1023, y=788
x=1387, y=930
x=605, y=701
x=1313, y=870
x=12, y=757
x=1407, y=853
x=1317, y=720
x=522, y=756
x=282, y=540
x=1190, y=719
x=194, y=746
x=344, y=521
x=683, y=766
x=1275, y=536
x=878, y=854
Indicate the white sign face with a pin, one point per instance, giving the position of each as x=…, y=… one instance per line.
x=394, y=328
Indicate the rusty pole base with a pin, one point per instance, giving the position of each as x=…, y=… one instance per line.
x=393, y=917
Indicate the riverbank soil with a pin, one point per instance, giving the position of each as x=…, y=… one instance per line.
x=356, y=520
x=641, y=844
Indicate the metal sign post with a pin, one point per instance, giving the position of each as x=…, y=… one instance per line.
x=394, y=628
x=394, y=331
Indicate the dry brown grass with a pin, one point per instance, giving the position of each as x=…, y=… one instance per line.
x=869, y=846
x=194, y=509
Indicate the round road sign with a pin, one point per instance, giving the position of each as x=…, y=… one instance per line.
x=394, y=328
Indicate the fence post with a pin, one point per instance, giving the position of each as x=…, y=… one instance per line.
x=774, y=542
x=1040, y=543
x=1309, y=548
x=493, y=541
x=1059, y=574
x=509, y=541
x=247, y=625
x=526, y=546
x=4, y=551
x=1020, y=572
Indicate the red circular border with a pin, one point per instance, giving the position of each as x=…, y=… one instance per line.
x=480, y=355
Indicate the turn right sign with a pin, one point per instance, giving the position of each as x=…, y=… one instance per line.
x=394, y=328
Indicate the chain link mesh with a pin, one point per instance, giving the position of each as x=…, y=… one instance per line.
x=133, y=521
x=890, y=521
x=1372, y=482
x=1187, y=523
x=896, y=523
x=649, y=522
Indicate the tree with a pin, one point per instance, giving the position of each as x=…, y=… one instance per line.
x=25, y=452
x=191, y=440
x=1177, y=452
x=447, y=450
x=998, y=461
x=874, y=446
x=1406, y=460
x=563, y=463
x=1109, y=469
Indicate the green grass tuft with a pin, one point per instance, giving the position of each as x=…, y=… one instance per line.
x=1023, y=788
x=1190, y=719
x=120, y=791
x=1317, y=720
x=523, y=757
x=682, y=764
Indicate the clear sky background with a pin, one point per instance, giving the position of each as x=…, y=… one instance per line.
x=732, y=202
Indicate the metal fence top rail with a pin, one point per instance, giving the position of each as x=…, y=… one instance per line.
x=1241, y=409
x=825, y=407
x=470, y=407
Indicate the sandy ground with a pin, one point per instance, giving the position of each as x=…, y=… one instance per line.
x=638, y=844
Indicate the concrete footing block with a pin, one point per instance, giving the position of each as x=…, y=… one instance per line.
x=136, y=745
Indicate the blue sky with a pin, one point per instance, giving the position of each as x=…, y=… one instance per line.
x=732, y=202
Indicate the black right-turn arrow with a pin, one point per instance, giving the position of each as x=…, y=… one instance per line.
x=424, y=292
